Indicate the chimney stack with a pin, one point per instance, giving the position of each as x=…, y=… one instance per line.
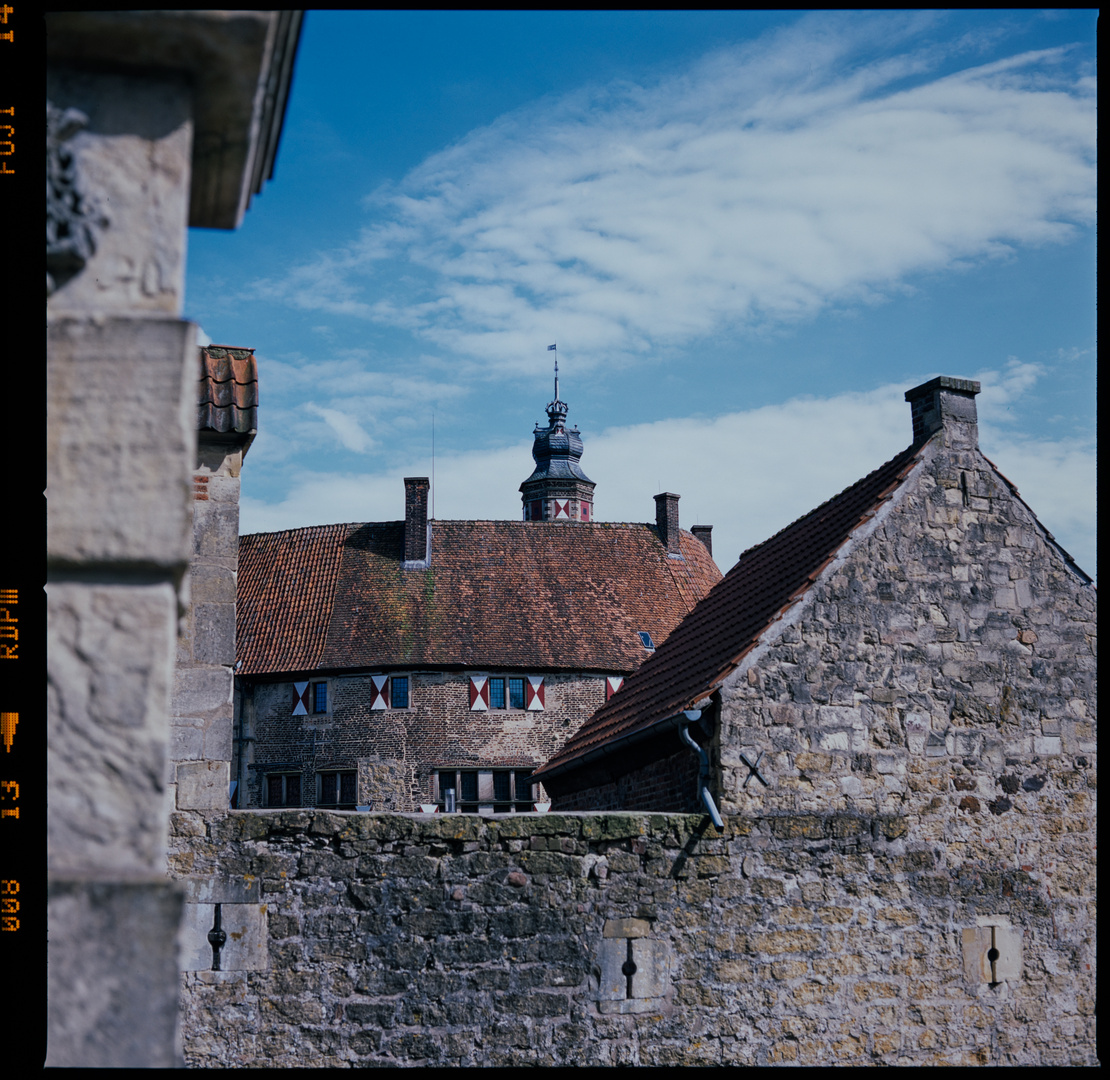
x=417, y=534
x=666, y=520
x=705, y=534
x=947, y=403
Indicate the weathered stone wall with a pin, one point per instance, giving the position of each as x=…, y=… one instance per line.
x=201, y=708
x=438, y=730
x=943, y=666
x=789, y=938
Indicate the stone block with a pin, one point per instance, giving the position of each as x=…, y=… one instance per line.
x=627, y=928
x=197, y=693
x=218, y=738
x=203, y=785
x=112, y=979
x=917, y=732
x=132, y=159
x=186, y=739
x=246, y=944
x=214, y=635
x=633, y=970
x=110, y=651
x=211, y=583
x=992, y=950
x=121, y=433
x=216, y=530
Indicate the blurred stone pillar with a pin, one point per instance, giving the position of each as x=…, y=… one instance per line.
x=156, y=121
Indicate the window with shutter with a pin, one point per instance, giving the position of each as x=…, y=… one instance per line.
x=479, y=693
x=379, y=691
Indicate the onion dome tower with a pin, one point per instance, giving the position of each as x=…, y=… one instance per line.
x=558, y=489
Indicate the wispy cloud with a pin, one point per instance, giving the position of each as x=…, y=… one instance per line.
x=760, y=185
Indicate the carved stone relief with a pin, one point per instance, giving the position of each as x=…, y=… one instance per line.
x=72, y=216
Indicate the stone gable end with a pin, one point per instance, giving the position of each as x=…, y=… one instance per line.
x=949, y=645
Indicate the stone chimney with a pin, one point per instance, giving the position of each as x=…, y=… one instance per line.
x=417, y=535
x=705, y=534
x=945, y=403
x=666, y=521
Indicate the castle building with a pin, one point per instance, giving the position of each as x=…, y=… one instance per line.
x=400, y=664
x=920, y=638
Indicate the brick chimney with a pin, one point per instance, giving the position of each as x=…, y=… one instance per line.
x=705, y=534
x=945, y=403
x=417, y=535
x=666, y=521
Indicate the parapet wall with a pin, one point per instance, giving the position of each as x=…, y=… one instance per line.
x=387, y=939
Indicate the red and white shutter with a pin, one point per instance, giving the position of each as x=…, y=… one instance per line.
x=533, y=693
x=300, y=699
x=612, y=684
x=379, y=691
x=562, y=509
x=479, y=693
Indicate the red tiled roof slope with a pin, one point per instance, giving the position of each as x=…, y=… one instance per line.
x=284, y=595
x=227, y=397
x=714, y=637
x=531, y=595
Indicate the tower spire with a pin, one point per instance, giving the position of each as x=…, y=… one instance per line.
x=557, y=409
x=558, y=489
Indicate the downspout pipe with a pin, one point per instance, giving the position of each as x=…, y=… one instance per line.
x=693, y=715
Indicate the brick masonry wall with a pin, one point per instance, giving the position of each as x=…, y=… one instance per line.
x=438, y=730
x=786, y=938
x=668, y=785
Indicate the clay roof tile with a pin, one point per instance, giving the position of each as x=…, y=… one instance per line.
x=712, y=640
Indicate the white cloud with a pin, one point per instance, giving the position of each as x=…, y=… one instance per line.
x=347, y=429
x=760, y=185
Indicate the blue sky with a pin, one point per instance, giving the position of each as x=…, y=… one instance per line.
x=749, y=234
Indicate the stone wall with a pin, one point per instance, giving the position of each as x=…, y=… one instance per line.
x=791, y=938
x=943, y=665
x=439, y=729
x=200, y=755
x=136, y=101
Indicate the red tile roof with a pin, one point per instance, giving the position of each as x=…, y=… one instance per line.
x=540, y=596
x=713, y=639
x=227, y=395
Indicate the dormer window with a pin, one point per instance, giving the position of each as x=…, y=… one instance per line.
x=645, y=640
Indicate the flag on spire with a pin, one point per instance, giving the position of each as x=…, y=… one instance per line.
x=551, y=348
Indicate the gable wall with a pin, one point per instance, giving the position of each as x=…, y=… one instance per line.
x=952, y=642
